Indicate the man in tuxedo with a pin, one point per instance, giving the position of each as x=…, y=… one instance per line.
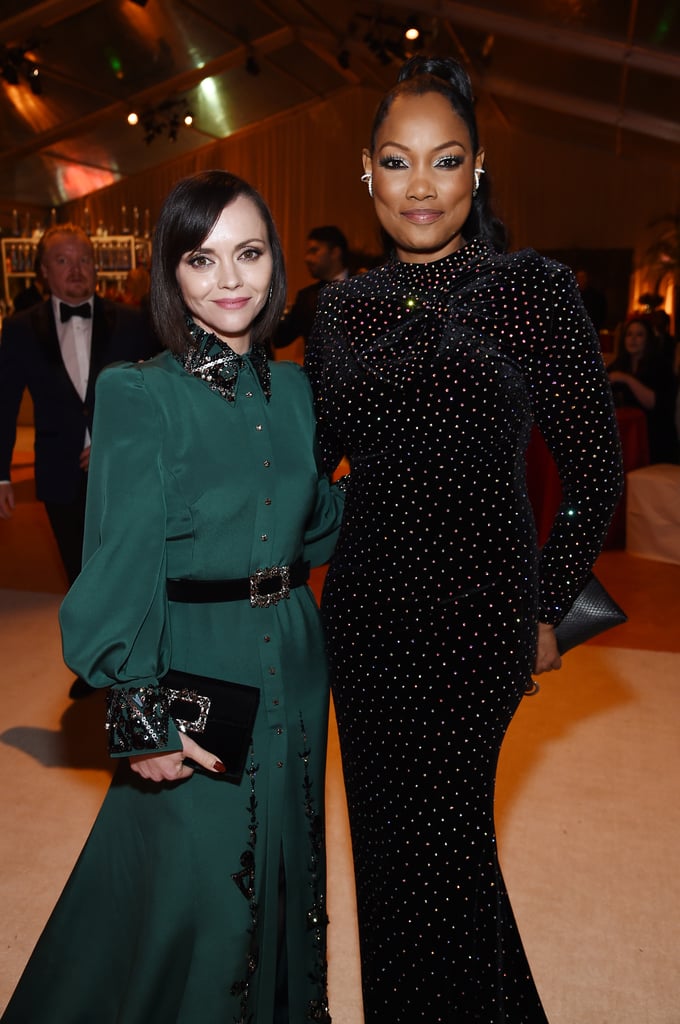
x=56, y=349
x=326, y=257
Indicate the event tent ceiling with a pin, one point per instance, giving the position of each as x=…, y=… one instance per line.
x=603, y=73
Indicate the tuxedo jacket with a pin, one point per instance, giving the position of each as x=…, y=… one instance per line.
x=30, y=357
x=299, y=319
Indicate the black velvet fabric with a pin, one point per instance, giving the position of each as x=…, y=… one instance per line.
x=428, y=378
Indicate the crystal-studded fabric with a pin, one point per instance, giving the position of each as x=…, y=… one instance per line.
x=216, y=363
x=428, y=377
x=137, y=719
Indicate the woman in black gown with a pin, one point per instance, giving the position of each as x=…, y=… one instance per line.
x=429, y=372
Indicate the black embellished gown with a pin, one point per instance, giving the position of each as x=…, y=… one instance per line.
x=429, y=377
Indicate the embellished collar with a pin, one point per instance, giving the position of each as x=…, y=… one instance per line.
x=214, y=362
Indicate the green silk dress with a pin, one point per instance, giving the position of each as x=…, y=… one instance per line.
x=173, y=913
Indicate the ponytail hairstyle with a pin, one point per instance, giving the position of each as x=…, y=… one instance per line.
x=443, y=75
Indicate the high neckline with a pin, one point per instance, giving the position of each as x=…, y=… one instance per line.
x=215, y=362
x=444, y=267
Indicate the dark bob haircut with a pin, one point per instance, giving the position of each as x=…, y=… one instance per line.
x=443, y=75
x=188, y=216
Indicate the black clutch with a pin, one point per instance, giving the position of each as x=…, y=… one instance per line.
x=219, y=715
x=593, y=611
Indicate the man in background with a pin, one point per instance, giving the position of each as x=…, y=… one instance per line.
x=326, y=257
x=56, y=349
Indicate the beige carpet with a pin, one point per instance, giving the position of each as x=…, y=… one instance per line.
x=588, y=821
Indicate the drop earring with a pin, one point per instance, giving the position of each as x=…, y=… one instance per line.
x=368, y=178
x=478, y=177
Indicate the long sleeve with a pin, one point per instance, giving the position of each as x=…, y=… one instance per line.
x=114, y=619
x=573, y=408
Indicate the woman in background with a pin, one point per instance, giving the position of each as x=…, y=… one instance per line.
x=642, y=377
x=197, y=901
x=429, y=372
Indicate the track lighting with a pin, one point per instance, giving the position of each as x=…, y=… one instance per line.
x=165, y=118
x=14, y=63
x=252, y=67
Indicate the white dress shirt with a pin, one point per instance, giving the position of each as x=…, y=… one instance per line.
x=75, y=343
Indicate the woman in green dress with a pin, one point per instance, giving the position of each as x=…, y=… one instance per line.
x=197, y=901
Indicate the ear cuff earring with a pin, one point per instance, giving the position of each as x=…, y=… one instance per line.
x=478, y=177
x=368, y=178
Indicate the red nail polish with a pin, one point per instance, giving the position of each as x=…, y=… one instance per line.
x=219, y=767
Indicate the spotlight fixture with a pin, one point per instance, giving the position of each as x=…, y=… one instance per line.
x=10, y=72
x=163, y=119
x=34, y=79
x=16, y=62
x=412, y=31
x=252, y=67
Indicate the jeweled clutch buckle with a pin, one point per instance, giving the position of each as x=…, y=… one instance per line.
x=201, y=702
x=264, y=600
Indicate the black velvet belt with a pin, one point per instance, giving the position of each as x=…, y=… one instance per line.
x=265, y=587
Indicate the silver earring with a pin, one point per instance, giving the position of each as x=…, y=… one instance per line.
x=478, y=177
x=368, y=178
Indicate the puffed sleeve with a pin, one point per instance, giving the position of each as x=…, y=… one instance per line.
x=114, y=620
x=323, y=527
x=573, y=408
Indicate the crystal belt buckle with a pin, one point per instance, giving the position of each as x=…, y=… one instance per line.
x=258, y=600
x=202, y=702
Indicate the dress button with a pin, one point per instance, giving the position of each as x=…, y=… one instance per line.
x=266, y=463
x=249, y=394
x=272, y=670
x=264, y=537
x=279, y=730
x=279, y=764
x=267, y=501
x=266, y=638
x=258, y=426
x=275, y=703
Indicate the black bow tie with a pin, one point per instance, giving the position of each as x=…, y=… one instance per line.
x=66, y=312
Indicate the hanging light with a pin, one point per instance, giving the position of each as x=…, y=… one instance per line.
x=34, y=80
x=412, y=31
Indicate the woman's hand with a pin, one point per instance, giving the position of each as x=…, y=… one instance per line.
x=171, y=767
x=547, y=654
x=644, y=395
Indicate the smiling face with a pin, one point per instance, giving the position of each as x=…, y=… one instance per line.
x=423, y=176
x=225, y=281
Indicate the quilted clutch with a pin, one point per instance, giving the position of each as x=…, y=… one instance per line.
x=593, y=611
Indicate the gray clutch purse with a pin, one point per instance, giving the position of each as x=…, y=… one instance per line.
x=593, y=611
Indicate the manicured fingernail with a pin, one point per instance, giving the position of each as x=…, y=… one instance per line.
x=219, y=767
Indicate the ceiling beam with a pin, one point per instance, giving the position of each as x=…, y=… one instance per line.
x=601, y=113
x=39, y=16
x=148, y=97
x=543, y=33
